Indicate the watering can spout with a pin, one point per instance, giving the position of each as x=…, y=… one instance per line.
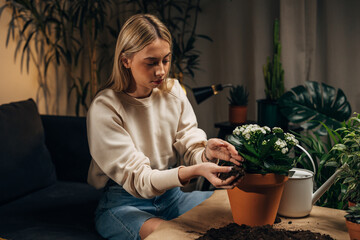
x=325, y=186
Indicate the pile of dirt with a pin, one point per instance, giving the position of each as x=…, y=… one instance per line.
x=234, y=231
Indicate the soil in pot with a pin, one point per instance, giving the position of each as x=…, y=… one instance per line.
x=234, y=231
x=237, y=171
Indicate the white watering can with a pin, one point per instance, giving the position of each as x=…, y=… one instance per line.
x=298, y=197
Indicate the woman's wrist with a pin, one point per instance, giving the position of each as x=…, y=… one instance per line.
x=187, y=173
x=204, y=156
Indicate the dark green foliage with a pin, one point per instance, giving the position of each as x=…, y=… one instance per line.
x=353, y=214
x=273, y=71
x=318, y=147
x=347, y=156
x=314, y=103
x=238, y=96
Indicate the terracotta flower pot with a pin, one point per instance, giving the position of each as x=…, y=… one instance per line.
x=353, y=229
x=256, y=201
x=237, y=114
x=351, y=204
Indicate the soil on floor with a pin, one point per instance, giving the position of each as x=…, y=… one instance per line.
x=234, y=231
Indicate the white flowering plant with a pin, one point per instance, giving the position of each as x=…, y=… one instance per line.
x=265, y=150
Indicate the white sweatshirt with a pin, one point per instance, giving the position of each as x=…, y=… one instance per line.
x=138, y=142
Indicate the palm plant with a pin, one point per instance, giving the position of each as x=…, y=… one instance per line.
x=55, y=32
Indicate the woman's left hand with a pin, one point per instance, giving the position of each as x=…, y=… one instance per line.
x=220, y=149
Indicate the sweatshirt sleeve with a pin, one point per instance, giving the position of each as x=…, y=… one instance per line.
x=113, y=150
x=190, y=140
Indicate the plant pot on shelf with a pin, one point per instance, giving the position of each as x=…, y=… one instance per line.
x=256, y=200
x=269, y=114
x=353, y=229
x=237, y=114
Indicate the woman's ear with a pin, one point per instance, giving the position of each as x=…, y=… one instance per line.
x=126, y=62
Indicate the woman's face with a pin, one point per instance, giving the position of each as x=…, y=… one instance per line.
x=148, y=67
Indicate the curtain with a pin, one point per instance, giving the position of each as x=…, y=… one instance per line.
x=319, y=43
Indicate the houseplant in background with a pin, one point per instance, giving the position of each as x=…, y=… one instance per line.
x=319, y=148
x=238, y=100
x=353, y=221
x=65, y=35
x=268, y=110
x=314, y=103
x=267, y=163
x=347, y=155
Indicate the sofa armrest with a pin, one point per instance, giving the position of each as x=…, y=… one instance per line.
x=66, y=139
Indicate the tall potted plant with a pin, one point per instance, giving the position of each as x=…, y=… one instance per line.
x=268, y=110
x=267, y=163
x=238, y=101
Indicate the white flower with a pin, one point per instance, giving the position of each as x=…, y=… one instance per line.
x=267, y=129
x=236, y=131
x=284, y=150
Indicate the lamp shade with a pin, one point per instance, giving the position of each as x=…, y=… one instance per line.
x=203, y=93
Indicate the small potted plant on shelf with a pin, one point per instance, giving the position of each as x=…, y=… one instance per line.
x=353, y=221
x=347, y=156
x=238, y=104
x=267, y=163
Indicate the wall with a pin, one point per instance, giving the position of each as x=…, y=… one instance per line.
x=14, y=84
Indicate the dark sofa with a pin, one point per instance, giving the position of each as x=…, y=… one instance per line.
x=43, y=169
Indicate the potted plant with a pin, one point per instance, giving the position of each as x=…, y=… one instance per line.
x=314, y=103
x=238, y=104
x=268, y=110
x=353, y=221
x=347, y=156
x=267, y=163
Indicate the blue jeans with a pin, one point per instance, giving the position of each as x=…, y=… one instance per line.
x=120, y=215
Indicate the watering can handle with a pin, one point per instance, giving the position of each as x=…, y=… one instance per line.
x=311, y=159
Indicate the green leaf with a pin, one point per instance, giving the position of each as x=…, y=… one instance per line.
x=315, y=103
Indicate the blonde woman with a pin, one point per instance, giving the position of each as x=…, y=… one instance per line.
x=140, y=127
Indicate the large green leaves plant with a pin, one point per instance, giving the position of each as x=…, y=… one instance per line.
x=314, y=103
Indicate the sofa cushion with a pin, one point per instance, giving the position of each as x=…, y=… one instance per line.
x=64, y=210
x=66, y=139
x=25, y=163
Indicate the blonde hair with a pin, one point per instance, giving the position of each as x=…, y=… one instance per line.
x=138, y=31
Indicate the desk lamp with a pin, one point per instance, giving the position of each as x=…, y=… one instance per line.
x=203, y=93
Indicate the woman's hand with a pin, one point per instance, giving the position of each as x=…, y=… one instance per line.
x=219, y=149
x=210, y=171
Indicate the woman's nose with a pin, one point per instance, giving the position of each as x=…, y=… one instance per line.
x=160, y=70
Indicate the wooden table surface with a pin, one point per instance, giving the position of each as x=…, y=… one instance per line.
x=215, y=212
